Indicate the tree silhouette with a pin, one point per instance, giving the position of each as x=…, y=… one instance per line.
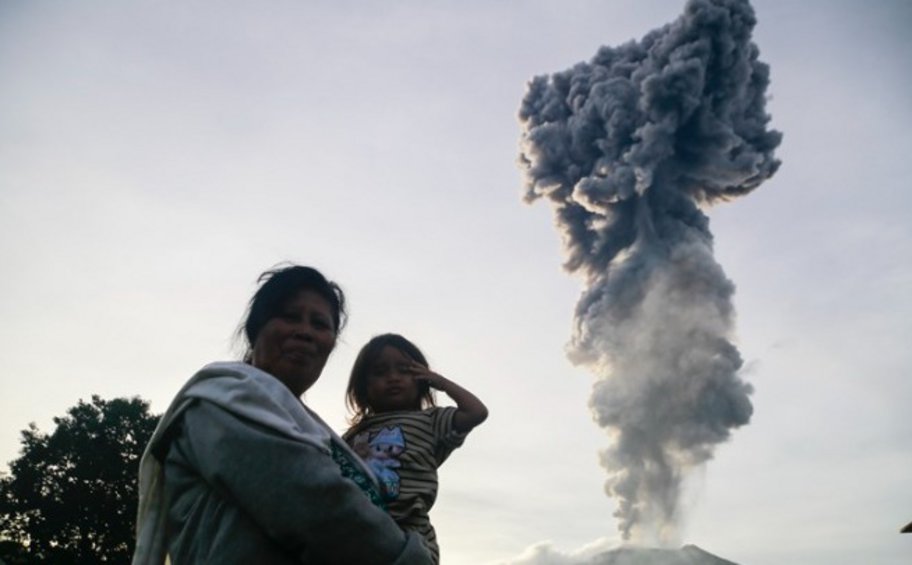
x=71, y=496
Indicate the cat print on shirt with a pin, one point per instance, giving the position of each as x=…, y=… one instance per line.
x=381, y=451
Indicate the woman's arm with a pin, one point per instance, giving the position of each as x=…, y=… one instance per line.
x=470, y=411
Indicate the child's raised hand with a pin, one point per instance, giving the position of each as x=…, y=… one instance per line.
x=469, y=410
x=423, y=374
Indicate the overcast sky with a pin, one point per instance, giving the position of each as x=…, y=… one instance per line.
x=156, y=156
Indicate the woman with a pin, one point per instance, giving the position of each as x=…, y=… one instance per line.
x=239, y=470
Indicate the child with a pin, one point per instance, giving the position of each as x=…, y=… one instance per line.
x=400, y=432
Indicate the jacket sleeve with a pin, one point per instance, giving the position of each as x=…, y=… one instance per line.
x=295, y=492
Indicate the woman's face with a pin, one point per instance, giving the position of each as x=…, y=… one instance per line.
x=293, y=345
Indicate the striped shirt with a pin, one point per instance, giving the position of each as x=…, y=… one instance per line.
x=404, y=449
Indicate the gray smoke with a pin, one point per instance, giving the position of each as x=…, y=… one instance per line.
x=627, y=148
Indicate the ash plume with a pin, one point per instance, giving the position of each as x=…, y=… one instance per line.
x=629, y=149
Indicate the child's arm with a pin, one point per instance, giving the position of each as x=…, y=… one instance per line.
x=470, y=411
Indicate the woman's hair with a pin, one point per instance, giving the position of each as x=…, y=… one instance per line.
x=280, y=285
x=356, y=393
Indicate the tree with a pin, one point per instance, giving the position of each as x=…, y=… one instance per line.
x=71, y=496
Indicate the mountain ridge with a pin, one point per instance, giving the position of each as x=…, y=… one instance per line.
x=686, y=555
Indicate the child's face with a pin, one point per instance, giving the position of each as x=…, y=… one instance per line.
x=390, y=384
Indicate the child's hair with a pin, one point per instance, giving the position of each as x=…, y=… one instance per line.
x=356, y=393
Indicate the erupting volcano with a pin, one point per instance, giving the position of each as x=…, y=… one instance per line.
x=630, y=148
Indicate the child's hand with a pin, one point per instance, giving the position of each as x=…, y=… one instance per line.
x=469, y=410
x=423, y=374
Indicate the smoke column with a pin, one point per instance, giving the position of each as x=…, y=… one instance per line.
x=628, y=148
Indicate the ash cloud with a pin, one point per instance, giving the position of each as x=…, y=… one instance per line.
x=629, y=149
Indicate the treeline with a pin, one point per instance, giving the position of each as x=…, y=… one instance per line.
x=71, y=496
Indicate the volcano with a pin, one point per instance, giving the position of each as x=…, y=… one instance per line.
x=687, y=555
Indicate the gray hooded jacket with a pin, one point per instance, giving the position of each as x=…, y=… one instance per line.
x=240, y=471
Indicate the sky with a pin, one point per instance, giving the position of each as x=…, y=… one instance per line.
x=156, y=156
